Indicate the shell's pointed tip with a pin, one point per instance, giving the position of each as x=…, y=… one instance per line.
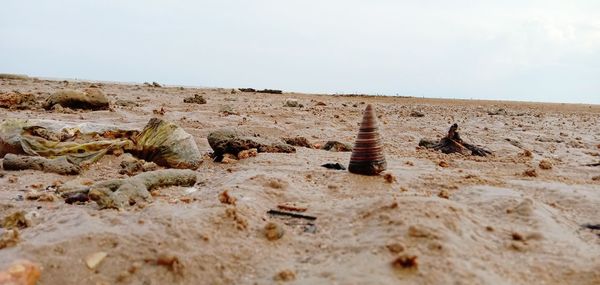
x=369, y=107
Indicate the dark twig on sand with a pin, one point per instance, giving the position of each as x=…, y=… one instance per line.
x=591, y=226
x=290, y=214
x=335, y=166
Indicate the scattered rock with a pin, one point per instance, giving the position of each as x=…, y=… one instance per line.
x=196, y=99
x=155, y=84
x=500, y=111
x=22, y=272
x=59, y=165
x=444, y=194
x=443, y=164
x=389, y=178
x=77, y=198
x=227, y=141
x=160, y=112
x=596, y=178
x=405, y=262
x=545, y=164
x=171, y=262
x=275, y=184
x=40, y=196
x=416, y=114
x=297, y=141
x=94, y=259
x=225, y=198
x=526, y=153
x=319, y=103
x=273, y=231
x=395, y=247
x=228, y=158
x=132, y=166
x=419, y=231
x=241, y=223
x=530, y=173
x=57, y=108
x=247, y=153
x=337, y=146
x=517, y=236
x=290, y=206
x=285, y=275
x=91, y=98
x=291, y=103
x=17, y=100
x=227, y=110
x=149, y=166
x=336, y=166
x=276, y=148
x=9, y=238
x=16, y=220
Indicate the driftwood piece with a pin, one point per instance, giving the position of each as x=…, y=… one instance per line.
x=592, y=164
x=452, y=143
x=120, y=193
x=591, y=226
x=58, y=165
x=291, y=214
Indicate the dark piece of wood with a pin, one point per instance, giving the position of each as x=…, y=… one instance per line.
x=591, y=226
x=452, y=143
x=335, y=166
x=291, y=214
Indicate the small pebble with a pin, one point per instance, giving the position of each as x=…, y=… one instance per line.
x=273, y=231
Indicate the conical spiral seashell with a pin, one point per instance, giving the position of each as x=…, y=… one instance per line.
x=367, y=155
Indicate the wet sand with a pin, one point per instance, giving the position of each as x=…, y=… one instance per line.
x=467, y=219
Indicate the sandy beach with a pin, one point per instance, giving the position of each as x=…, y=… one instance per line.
x=517, y=216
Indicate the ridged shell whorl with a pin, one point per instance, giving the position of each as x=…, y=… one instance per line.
x=367, y=155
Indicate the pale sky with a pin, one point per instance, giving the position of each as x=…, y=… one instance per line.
x=513, y=50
